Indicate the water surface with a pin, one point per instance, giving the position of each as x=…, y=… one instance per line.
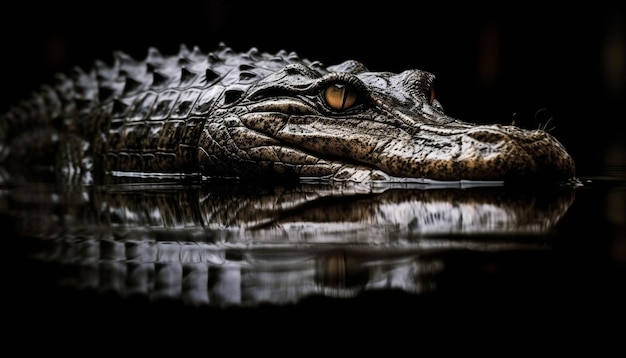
x=145, y=252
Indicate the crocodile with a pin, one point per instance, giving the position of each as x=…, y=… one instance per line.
x=257, y=115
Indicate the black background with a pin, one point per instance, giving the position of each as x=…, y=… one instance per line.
x=490, y=63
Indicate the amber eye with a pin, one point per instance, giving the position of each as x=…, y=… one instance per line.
x=340, y=96
x=432, y=95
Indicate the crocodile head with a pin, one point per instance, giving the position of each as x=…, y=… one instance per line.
x=347, y=123
x=260, y=115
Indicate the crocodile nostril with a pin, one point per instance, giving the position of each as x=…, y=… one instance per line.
x=486, y=136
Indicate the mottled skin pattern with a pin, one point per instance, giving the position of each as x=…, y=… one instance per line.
x=259, y=116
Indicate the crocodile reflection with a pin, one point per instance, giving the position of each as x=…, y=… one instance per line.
x=224, y=245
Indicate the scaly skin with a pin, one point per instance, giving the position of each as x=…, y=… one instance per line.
x=264, y=116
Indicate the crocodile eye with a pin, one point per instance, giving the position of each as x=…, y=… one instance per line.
x=340, y=96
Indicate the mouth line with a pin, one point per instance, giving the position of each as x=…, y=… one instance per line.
x=462, y=151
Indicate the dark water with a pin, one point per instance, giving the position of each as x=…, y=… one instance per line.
x=137, y=271
x=185, y=260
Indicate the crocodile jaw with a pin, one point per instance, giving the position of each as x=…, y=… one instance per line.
x=485, y=153
x=358, y=150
